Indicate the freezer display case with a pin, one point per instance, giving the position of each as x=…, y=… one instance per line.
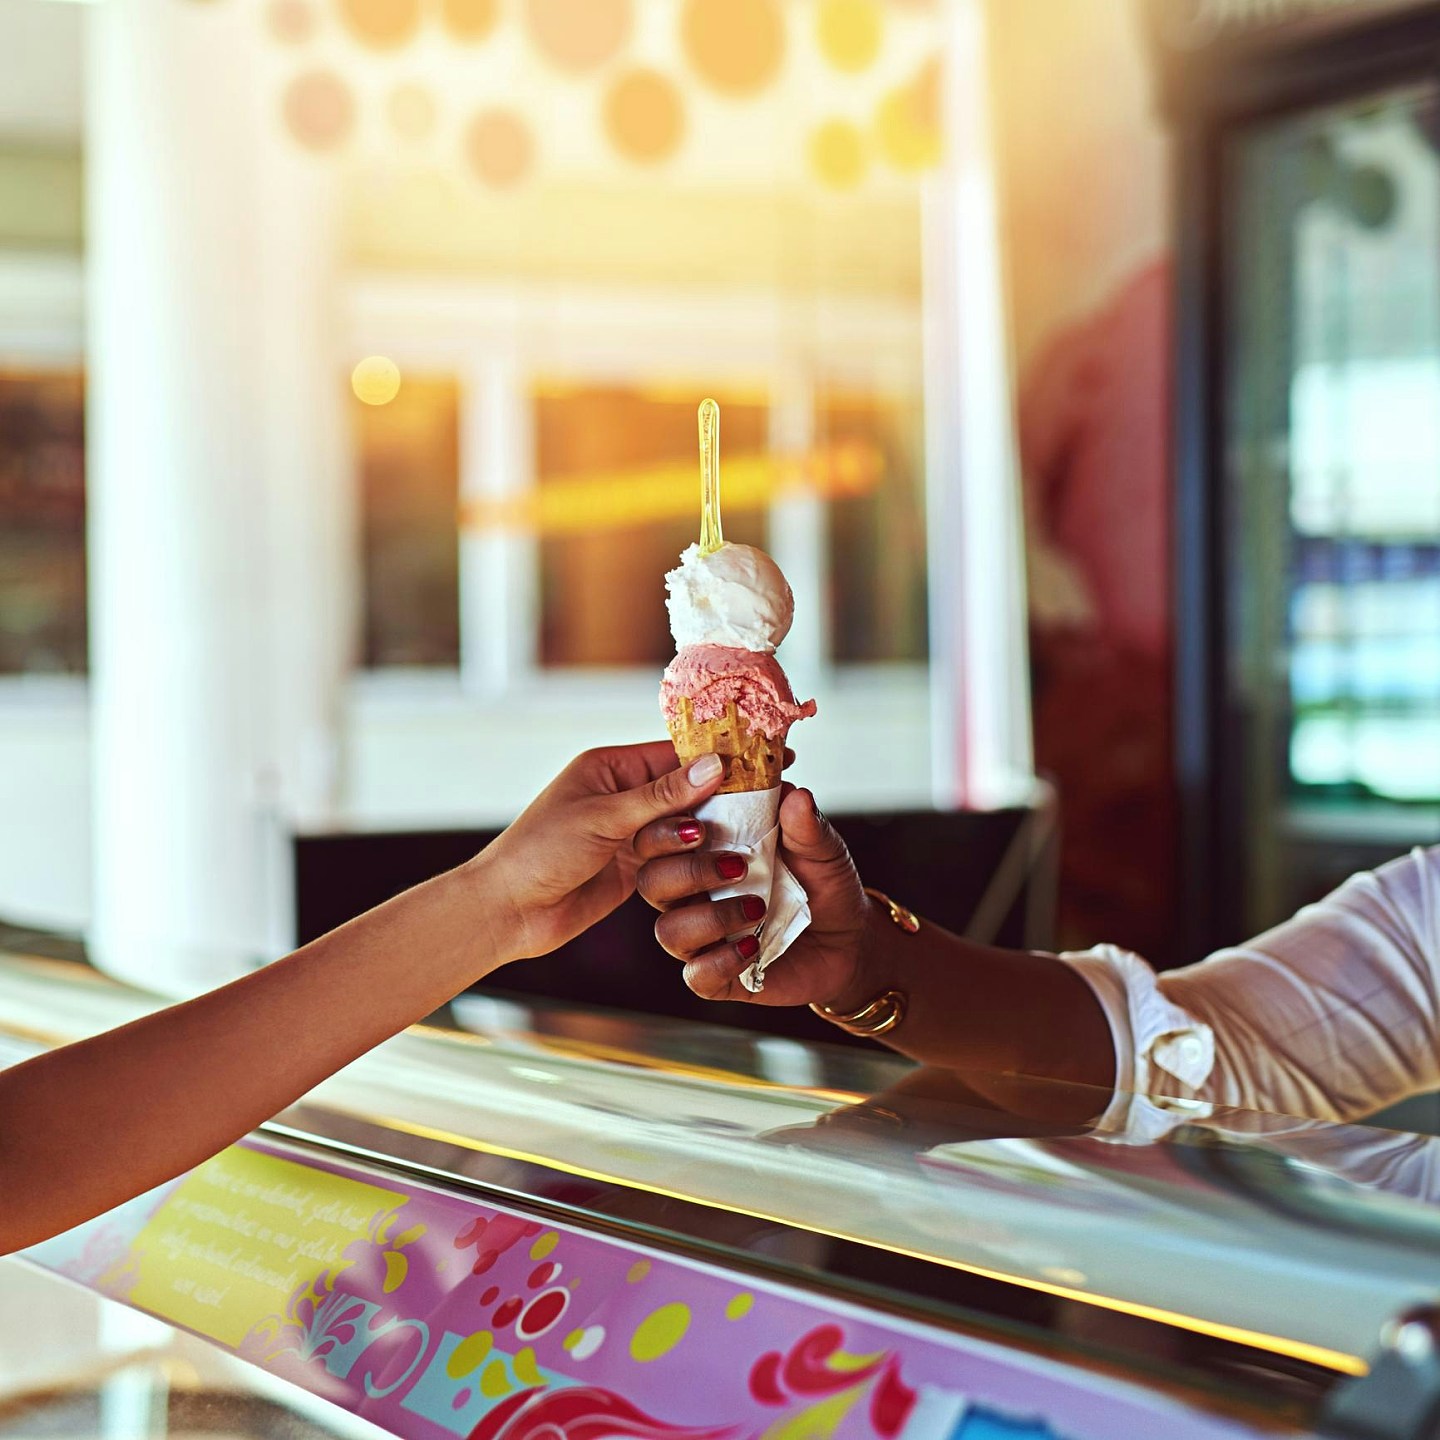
x=1307, y=527
x=531, y=1221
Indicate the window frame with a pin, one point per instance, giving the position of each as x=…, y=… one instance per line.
x=498, y=341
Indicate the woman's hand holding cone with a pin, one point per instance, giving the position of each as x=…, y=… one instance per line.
x=825, y=965
x=570, y=858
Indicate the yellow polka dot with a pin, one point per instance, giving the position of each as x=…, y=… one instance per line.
x=573, y=1339
x=468, y=1354
x=740, y=1306
x=638, y=1271
x=659, y=1333
x=527, y=1372
x=495, y=1382
x=544, y=1245
x=907, y=122
x=848, y=32
x=837, y=154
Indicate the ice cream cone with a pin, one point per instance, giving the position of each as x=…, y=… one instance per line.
x=752, y=761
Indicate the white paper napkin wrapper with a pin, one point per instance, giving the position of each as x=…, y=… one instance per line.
x=748, y=824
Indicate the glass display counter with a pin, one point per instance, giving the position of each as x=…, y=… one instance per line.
x=523, y=1220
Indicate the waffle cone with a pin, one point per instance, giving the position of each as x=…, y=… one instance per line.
x=752, y=761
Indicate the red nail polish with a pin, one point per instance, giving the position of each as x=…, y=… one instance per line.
x=752, y=907
x=731, y=867
x=747, y=948
x=691, y=832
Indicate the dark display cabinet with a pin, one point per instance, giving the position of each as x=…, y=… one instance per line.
x=1307, y=265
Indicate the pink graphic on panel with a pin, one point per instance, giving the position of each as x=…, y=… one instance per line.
x=441, y=1318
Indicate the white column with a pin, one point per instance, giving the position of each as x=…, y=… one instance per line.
x=499, y=565
x=310, y=575
x=799, y=533
x=201, y=523
x=979, y=667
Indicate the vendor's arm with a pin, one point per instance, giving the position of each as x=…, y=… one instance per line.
x=969, y=1006
x=87, y=1126
x=1334, y=1014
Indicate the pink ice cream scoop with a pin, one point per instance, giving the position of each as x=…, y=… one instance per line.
x=711, y=676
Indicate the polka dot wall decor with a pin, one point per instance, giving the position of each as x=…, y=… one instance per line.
x=644, y=116
x=318, y=109
x=466, y=84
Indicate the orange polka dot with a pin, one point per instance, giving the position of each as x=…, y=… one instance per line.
x=381, y=24
x=925, y=96
x=643, y=116
x=578, y=35
x=292, y=22
x=469, y=20
x=500, y=148
x=319, y=110
x=736, y=46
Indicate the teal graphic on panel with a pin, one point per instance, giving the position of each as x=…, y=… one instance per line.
x=986, y=1425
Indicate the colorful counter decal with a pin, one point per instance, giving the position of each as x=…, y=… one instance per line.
x=442, y=1319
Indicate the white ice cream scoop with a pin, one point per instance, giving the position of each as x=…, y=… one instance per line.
x=735, y=596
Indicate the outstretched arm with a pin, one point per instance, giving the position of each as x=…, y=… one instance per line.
x=87, y=1126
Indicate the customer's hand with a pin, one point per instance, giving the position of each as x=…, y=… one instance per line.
x=570, y=858
x=714, y=937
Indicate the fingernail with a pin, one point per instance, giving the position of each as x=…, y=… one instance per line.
x=731, y=867
x=747, y=948
x=752, y=907
x=705, y=769
x=815, y=807
x=690, y=832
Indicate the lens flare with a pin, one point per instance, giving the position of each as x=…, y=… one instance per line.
x=375, y=380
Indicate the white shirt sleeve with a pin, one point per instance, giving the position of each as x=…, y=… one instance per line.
x=1333, y=1014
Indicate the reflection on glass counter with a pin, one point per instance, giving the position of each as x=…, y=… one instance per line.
x=77, y=1365
x=527, y=1207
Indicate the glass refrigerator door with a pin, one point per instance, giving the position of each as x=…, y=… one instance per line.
x=1332, y=500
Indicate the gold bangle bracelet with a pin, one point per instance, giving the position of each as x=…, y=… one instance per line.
x=906, y=919
x=876, y=1017
x=883, y=1013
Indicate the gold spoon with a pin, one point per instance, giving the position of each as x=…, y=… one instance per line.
x=711, y=536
